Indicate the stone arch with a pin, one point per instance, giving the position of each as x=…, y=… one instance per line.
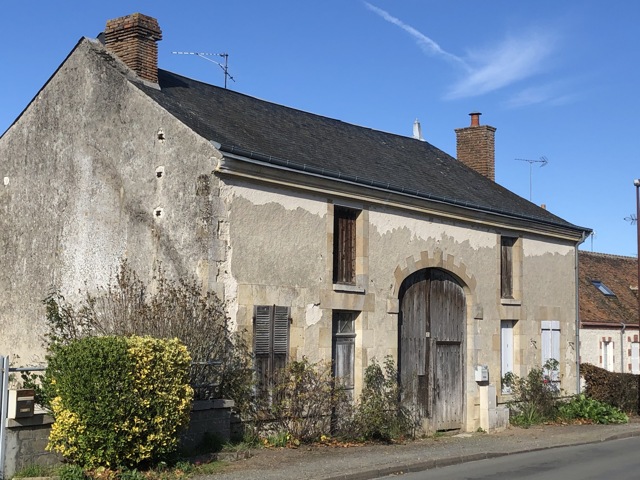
x=437, y=259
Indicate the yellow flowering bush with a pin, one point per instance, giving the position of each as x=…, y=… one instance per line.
x=118, y=401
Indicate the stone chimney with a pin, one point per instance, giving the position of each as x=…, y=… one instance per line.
x=476, y=147
x=133, y=39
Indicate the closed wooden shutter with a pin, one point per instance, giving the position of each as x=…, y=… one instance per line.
x=270, y=342
x=280, y=337
x=344, y=245
x=506, y=267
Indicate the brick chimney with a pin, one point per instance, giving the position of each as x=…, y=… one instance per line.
x=133, y=39
x=476, y=147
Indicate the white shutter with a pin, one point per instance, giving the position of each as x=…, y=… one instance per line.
x=635, y=357
x=550, y=339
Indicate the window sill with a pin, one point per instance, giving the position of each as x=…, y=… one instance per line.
x=343, y=287
x=510, y=301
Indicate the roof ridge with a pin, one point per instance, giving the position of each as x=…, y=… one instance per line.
x=606, y=255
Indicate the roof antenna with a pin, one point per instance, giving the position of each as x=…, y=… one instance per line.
x=543, y=161
x=225, y=67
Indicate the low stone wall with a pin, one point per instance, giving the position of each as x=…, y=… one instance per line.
x=26, y=439
x=210, y=421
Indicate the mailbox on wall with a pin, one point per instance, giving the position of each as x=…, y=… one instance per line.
x=482, y=373
x=21, y=403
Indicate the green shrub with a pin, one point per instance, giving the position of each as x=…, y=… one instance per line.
x=72, y=472
x=617, y=389
x=584, y=408
x=117, y=401
x=379, y=415
x=535, y=397
x=164, y=308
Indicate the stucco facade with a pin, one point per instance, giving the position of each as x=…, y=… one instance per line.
x=96, y=171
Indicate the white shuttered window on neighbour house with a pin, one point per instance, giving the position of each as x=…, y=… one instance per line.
x=606, y=353
x=635, y=357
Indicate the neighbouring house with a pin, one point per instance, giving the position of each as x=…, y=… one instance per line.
x=325, y=239
x=609, y=312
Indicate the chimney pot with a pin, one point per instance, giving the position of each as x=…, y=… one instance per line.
x=476, y=146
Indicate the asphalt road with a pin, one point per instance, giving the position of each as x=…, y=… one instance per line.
x=613, y=460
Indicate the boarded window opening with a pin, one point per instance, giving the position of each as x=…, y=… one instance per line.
x=344, y=245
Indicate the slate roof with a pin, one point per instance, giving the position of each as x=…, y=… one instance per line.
x=278, y=134
x=618, y=274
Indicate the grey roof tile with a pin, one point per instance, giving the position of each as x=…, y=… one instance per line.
x=371, y=157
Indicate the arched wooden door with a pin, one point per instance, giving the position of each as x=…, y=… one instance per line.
x=431, y=347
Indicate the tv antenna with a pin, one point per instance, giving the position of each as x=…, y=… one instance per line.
x=542, y=161
x=224, y=67
x=631, y=218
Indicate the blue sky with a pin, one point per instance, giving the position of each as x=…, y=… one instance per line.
x=558, y=80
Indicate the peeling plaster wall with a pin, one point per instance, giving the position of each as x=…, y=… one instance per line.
x=83, y=193
x=273, y=263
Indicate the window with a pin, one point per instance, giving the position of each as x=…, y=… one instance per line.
x=551, y=346
x=635, y=357
x=603, y=288
x=270, y=342
x=506, y=266
x=606, y=352
x=506, y=349
x=343, y=355
x=344, y=245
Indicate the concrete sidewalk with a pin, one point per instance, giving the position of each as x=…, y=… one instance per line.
x=372, y=461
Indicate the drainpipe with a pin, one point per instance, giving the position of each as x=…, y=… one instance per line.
x=622, y=347
x=584, y=237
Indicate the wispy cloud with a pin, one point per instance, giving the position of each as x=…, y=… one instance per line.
x=550, y=94
x=487, y=70
x=425, y=43
x=513, y=60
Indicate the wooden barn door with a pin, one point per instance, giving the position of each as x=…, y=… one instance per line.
x=431, y=345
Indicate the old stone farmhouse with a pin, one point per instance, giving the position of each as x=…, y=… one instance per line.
x=325, y=239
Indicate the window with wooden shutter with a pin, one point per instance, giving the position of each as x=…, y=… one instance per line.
x=506, y=266
x=344, y=245
x=344, y=343
x=270, y=342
